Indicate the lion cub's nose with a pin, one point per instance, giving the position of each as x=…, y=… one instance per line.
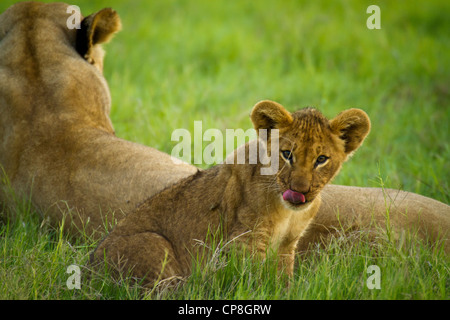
x=300, y=185
x=294, y=197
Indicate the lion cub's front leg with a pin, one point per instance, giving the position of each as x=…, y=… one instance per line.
x=261, y=241
x=286, y=254
x=298, y=223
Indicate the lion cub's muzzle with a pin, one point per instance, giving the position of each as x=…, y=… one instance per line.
x=294, y=197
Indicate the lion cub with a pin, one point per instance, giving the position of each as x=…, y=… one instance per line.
x=159, y=239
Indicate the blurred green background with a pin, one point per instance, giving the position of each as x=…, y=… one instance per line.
x=178, y=61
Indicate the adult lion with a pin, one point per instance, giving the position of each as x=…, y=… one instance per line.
x=57, y=142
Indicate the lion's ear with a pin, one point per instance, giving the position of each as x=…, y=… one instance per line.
x=270, y=115
x=352, y=126
x=96, y=29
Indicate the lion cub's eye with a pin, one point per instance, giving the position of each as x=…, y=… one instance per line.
x=287, y=154
x=321, y=160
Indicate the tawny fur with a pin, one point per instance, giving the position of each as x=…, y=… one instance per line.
x=159, y=239
x=379, y=212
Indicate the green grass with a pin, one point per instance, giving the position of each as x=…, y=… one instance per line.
x=180, y=61
x=34, y=260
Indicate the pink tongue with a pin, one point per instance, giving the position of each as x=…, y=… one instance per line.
x=293, y=196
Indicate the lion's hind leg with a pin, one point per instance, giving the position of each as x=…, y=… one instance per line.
x=148, y=257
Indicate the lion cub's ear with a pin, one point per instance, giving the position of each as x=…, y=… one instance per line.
x=352, y=126
x=96, y=29
x=270, y=115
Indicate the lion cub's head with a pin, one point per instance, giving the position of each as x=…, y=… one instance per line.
x=311, y=147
